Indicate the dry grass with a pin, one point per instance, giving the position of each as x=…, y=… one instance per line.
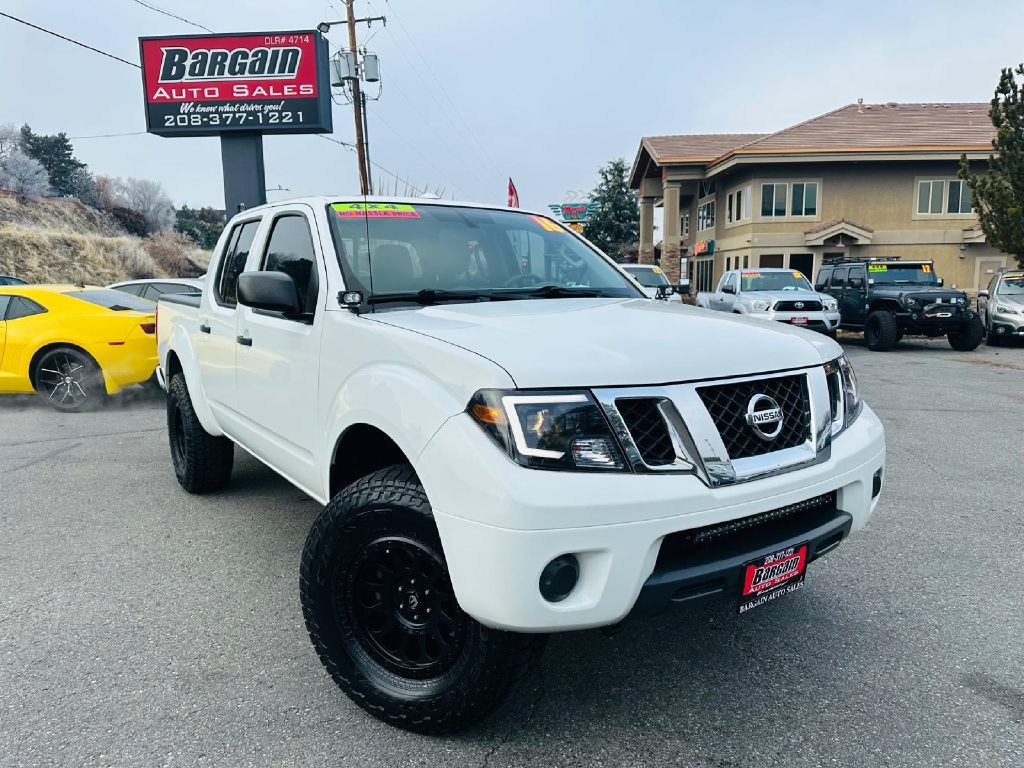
x=46, y=242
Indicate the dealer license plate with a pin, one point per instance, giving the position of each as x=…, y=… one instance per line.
x=772, y=576
x=798, y=320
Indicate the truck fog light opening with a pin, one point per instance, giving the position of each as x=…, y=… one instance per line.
x=559, y=577
x=876, y=484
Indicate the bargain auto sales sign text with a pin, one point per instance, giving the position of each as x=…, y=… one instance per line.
x=202, y=85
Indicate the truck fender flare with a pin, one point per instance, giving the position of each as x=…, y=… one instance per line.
x=182, y=349
x=383, y=396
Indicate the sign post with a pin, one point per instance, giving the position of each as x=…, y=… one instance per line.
x=238, y=87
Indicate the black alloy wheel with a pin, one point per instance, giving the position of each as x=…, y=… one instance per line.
x=399, y=600
x=69, y=380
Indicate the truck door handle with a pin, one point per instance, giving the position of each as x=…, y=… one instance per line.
x=245, y=341
x=204, y=328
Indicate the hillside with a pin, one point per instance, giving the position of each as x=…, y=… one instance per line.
x=50, y=240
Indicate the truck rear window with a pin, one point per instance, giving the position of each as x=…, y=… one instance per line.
x=115, y=301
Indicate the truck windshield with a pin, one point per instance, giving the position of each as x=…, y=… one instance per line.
x=648, y=278
x=774, y=281
x=1012, y=286
x=401, y=253
x=922, y=274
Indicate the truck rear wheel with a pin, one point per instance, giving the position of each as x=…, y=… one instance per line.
x=383, y=617
x=881, y=332
x=201, y=461
x=969, y=336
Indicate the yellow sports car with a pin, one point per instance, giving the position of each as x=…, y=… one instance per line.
x=74, y=345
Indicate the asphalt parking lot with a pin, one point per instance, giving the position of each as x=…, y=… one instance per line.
x=141, y=626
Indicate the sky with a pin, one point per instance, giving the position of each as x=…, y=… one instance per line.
x=477, y=91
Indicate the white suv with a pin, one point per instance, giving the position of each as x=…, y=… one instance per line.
x=509, y=438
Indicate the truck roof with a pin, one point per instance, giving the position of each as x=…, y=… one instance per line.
x=318, y=200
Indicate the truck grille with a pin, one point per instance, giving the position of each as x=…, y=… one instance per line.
x=790, y=306
x=647, y=428
x=727, y=406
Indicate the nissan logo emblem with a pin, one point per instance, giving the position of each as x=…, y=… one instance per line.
x=764, y=417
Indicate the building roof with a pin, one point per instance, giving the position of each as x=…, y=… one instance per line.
x=852, y=128
x=701, y=146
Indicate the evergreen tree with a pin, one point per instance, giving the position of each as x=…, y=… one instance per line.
x=68, y=175
x=616, y=224
x=999, y=191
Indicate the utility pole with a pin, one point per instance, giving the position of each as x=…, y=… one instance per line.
x=357, y=101
x=366, y=144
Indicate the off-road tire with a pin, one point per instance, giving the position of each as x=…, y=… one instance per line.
x=881, y=332
x=969, y=337
x=202, y=462
x=483, y=664
x=84, y=389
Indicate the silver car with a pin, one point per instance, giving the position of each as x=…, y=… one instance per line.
x=154, y=288
x=783, y=295
x=1001, y=307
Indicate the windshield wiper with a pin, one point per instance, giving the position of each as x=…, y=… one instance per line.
x=557, y=292
x=430, y=296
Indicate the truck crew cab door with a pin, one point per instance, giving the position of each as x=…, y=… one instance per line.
x=723, y=299
x=215, y=341
x=277, y=359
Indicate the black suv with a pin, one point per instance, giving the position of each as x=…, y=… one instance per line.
x=887, y=298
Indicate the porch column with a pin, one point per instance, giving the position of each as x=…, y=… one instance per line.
x=646, y=255
x=671, y=242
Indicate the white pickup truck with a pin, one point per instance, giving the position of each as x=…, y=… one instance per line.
x=783, y=295
x=509, y=438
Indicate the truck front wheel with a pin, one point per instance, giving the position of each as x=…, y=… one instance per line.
x=881, y=332
x=383, y=617
x=968, y=337
x=201, y=461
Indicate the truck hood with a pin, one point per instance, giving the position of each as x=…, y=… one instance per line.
x=615, y=342
x=923, y=293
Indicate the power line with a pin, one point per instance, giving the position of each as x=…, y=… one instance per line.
x=173, y=16
x=421, y=155
x=488, y=160
x=352, y=148
x=68, y=39
x=109, y=135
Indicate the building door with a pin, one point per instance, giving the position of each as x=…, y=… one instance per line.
x=771, y=261
x=802, y=262
x=986, y=269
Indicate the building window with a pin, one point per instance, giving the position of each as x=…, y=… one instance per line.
x=805, y=199
x=773, y=200
x=748, y=194
x=706, y=215
x=703, y=271
x=737, y=205
x=936, y=197
x=728, y=209
x=958, y=198
x=746, y=261
x=705, y=188
x=684, y=224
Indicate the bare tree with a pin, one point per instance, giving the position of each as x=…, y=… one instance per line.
x=10, y=138
x=23, y=175
x=108, y=191
x=149, y=199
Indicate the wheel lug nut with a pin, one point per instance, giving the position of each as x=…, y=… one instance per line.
x=402, y=606
x=428, y=610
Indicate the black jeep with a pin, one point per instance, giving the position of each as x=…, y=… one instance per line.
x=887, y=298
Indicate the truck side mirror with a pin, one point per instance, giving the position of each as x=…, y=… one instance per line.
x=983, y=294
x=664, y=291
x=857, y=283
x=270, y=291
x=942, y=283
x=728, y=289
x=683, y=289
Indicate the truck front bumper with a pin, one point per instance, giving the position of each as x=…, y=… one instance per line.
x=1007, y=326
x=823, y=322
x=501, y=524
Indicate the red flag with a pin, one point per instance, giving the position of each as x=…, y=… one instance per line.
x=513, y=196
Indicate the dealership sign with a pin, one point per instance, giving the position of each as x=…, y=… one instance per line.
x=204, y=85
x=574, y=212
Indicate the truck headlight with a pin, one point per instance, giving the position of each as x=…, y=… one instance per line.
x=844, y=393
x=831, y=305
x=1006, y=309
x=548, y=430
x=910, y=302
x=961, y=300
x=759, y=306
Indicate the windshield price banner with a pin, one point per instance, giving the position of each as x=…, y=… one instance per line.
x=203, y=85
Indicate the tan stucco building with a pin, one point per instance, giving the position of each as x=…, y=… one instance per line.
x=862, y=180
